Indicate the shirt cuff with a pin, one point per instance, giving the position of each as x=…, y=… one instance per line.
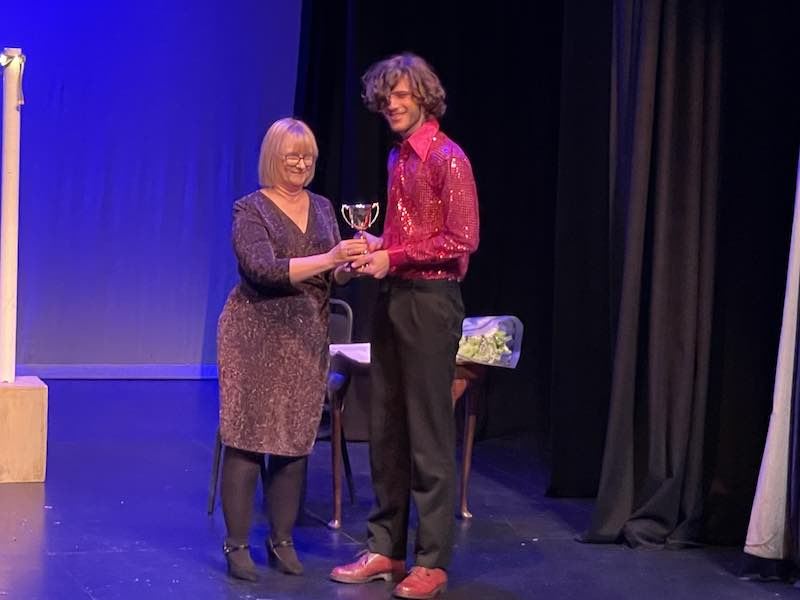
x=397, y=256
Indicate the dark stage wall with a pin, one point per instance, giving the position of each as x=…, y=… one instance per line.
x=501, y=71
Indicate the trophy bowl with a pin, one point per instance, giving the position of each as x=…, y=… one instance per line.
x=360, y=216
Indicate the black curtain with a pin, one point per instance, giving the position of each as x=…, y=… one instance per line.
x=591, y=128
x=665, y=119
x=759, y=138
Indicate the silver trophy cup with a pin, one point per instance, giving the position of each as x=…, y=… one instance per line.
x=360, y=216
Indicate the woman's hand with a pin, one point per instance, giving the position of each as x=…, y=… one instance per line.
x=346, y=251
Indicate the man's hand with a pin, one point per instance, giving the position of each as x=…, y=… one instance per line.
x=375, y=264
x=373, y=242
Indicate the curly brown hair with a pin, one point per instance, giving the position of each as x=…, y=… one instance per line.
x=382, y=76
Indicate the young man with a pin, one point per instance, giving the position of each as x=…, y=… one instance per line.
x=431, y=228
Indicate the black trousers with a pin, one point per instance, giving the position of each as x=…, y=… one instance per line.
x=416, y=329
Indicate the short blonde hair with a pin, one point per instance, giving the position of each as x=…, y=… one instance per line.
x=270, y=159
x=381, y=77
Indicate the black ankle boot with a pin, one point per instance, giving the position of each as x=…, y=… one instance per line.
x=283, y=557
x=240, y=563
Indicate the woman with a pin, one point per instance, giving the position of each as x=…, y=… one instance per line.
x=272, y=346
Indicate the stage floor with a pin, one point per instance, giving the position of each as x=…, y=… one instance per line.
x=123, y=515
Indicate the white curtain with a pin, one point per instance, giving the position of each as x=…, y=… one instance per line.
x=767, y=534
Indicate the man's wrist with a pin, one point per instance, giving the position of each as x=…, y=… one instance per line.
x=397, y=256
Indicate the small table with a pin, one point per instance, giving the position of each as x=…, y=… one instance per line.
x=351, y=359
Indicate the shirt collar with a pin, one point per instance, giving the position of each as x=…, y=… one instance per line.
x=423, y=137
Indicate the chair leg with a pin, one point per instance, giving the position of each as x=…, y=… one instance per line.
x=336, y=459
x=212, y=486
x=470, y=412
x=348, y=471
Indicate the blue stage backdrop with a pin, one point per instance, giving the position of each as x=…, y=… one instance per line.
x=142, y=125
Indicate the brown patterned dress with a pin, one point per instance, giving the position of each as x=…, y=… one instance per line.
x=272, y=336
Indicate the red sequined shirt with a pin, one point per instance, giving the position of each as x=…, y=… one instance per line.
x=431, y=224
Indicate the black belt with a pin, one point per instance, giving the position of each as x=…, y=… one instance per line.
x=418, y=284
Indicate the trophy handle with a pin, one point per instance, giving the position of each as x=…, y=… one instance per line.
x=344, y=215
x=377, y=208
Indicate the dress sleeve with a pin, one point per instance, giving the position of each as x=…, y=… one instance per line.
x=254, y=249
x=335, y=234
x=334, y=224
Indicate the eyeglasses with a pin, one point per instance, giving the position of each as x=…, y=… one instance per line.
x=294, y=159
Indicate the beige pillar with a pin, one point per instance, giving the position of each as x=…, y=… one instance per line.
x=12, y=61
x=23, y=400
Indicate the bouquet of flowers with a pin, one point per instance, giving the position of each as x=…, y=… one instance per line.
x=493, y=341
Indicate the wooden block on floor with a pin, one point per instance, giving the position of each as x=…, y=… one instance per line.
x=23, y=430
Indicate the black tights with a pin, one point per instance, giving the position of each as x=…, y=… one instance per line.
x=284, y=487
